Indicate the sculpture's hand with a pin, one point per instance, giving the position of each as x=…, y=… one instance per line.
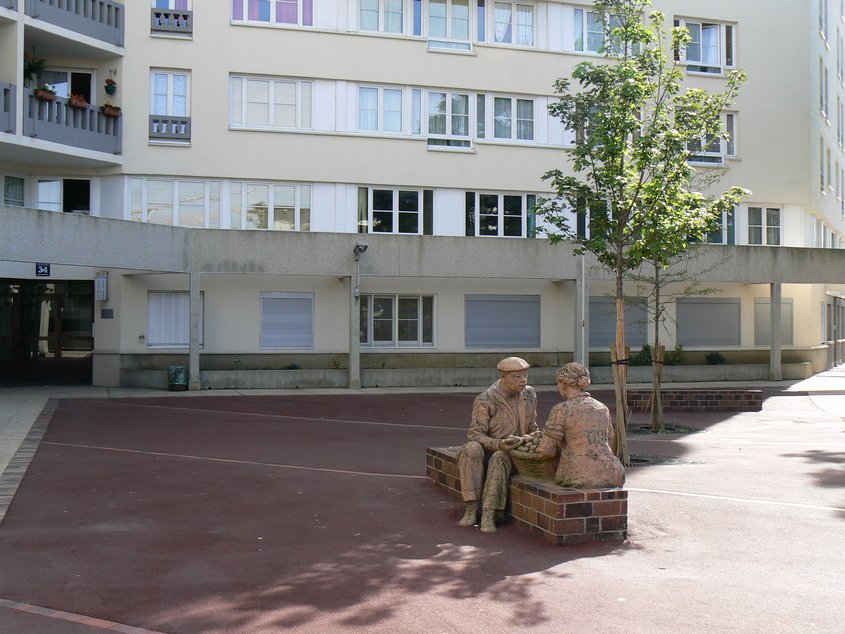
x=509, y=442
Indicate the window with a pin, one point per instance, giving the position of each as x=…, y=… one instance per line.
x=185, y=203
x=824, y=92
x=711, y=47
x=64, y=194
x=170, y=105
x=725, y=232
x=270, y=103
x=823, y=18
x=513, y=118
x=172, y=17
x=502, y=321
x=397, y=320
x=287, y=320
x=380, y=109
x=277, y=207
x=708, y=321
x=756, y=234
x=714, y=148
x=763, y=321
x=169, y=319
x=174, y=5
x=67, y=83
x=603, y=323
x=386, y=16
x=394, y=210
x=513, y=23
x=589, y=31
x=448, y=119
x=13, y=191
x=501, y=215
x=293, y=12
x=448, y=19
x=822, y=178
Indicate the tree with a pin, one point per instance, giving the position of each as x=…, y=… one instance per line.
x=636, y=129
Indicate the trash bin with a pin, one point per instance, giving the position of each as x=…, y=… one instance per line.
x=177, y=378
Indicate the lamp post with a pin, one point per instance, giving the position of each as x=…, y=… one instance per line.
x=355, y=320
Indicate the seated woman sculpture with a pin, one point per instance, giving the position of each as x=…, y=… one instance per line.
x=580, y=426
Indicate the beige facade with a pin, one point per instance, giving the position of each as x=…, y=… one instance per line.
x=258, y=145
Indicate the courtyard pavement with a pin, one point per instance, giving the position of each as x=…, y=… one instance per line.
x=300, y=511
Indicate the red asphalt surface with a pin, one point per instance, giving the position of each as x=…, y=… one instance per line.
x=310, y=513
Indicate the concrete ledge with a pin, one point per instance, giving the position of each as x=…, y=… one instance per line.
x=559, y=515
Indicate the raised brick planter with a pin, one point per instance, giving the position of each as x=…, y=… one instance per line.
x=699, y=400
x=558, y=515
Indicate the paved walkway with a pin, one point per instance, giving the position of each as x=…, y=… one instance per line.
x=283, y=512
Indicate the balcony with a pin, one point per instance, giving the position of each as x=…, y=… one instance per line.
x=99, y=19
x=171, y=22
x=9, y=4
x=7, y=107
x=57, y=122
x=167, y=128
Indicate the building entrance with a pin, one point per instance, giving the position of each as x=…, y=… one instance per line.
x=46, y=330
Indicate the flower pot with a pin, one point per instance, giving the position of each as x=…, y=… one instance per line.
x=111, y=89
x=80, y=104
x=110, y=112
x=44, y=95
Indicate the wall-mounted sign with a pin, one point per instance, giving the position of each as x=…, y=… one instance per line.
x=101, y=286
x=42, y=269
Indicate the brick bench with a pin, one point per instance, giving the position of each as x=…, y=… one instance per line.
x=558, y=515
x=699, y=400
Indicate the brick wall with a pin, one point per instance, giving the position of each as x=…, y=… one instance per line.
x=557, y=514
x=699, y=400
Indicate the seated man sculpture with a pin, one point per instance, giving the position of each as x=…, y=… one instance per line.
x=581, y=428
x=501, y=414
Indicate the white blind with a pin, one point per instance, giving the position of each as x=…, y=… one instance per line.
x=706, y=321
x=502, y=321
x=287, y=320
x=169, y=319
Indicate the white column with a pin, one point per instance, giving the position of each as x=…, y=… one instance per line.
x=775, y=371
x=354, y=334
x=582, y=315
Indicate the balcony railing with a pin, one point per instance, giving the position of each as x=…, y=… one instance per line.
x=169, y=21
x=7, y=107
x=9, y=4
x=85, y=128
x=100, y=19
x=170, y=128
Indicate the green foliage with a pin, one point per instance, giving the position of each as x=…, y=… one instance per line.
x=715, y=358
x=636, y=128
x=643, y=357
x=673, y=357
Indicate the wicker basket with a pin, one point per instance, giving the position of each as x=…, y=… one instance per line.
x=534, y=465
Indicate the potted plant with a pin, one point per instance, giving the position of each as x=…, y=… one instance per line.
x=45, y=93
x=110, y=110
x=33, y=68
x=77, y=101
x=110, y=87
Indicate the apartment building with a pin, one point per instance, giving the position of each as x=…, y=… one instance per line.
x=342, y=192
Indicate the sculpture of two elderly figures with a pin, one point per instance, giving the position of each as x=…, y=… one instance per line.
x=504, y=417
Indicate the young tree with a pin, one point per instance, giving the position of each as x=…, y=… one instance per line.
x=636, y=129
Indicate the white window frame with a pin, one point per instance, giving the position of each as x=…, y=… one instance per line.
x=239, y=205
x=725, y=46
x=382, y=9
x=180, y=325
x=170, y=5
x=582, y=20
x=395, y=191
x=513, y=118
x=171, y=104
x=450, y=138
x=368, y=318
x=238, y=101
x=300, y=14
x=450, y=23
x=714, y=151
x=140, y=187
x=760, y=220
x=726, y=229
x=380, y=109
x=500, y=214
x=267, y=339
x=12, y=202
x=513, y=28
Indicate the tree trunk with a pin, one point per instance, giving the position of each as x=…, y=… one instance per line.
x=619, y=358
x=657, y=353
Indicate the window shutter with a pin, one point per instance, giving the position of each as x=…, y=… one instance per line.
x=762, y=321
x=502, y=321
x=603, y=323
x=704, y=321
x=287, y=320
x=169, y=319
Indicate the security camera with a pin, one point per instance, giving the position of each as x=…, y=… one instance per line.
x=360, y=248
